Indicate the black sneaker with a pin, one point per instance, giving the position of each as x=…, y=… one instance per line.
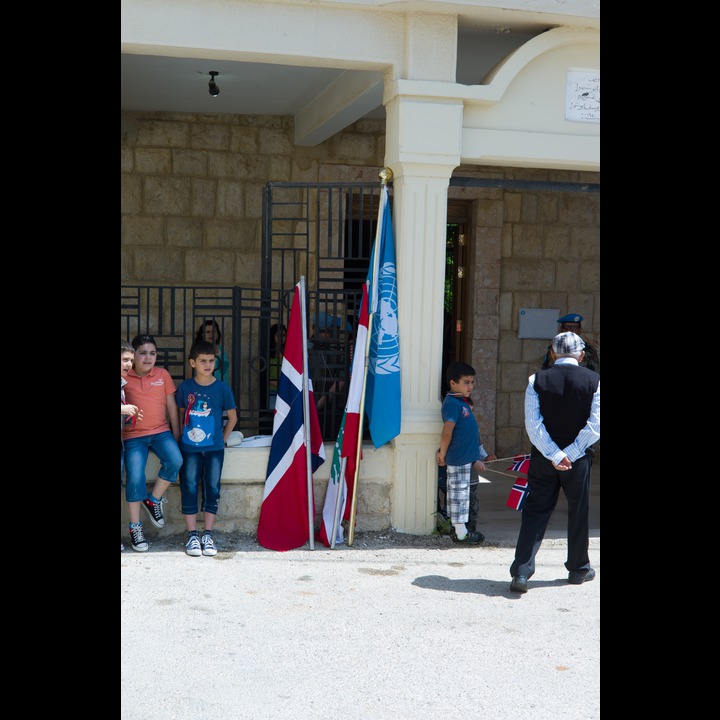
x=472, y=538
x=154, y=510
x=137, y=538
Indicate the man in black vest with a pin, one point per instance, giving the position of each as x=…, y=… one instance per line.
x=562, y=420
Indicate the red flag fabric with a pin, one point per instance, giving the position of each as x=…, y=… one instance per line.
x=284, y=513
x=347, y=442
x=518, y=493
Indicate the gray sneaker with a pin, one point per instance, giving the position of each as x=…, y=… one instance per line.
x=192, y=546
x=208, y=544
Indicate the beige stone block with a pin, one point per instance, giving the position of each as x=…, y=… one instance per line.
x=513, y=377
x=502, y=411
x=153, y=160
x=566, y=276
x=243, y=140
x=253, y=201
x=485, y=328
x=167, y=196
x=589, y=277
x=579, y=209
x=486, y=301
x=489, y=213
x=130, y=194
x=527, y=241
x=160, y=264
x=517, y=407
x=533, y=351
x=204, y=197
x=190, y=162
x=209, y=266
x=280, y=169
x=205, y=136
x=272, y=141
x=140, y=231
x=556, y=243
x=162, y=133
x=127, y=160
x=529, y=208
x=511, y=441
x=356, y=148
x=548, y=208
x=522, y=274
x=184, y=232
x=586, y=240
x=230, y=199
x=505, y=310
x=511, y=207
x=509, y=347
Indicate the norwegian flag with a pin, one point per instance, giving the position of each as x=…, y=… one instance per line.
x=521, y=463
x=286, y=506
x=518, y=493
x=520, y=489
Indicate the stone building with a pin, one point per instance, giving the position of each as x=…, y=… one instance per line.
x=192, y=187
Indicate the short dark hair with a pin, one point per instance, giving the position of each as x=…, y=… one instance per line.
x=201, y=347
x=125, y=346
x=139, y=340
x=456, y=370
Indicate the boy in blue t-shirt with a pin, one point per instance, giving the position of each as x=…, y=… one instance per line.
x=459, y=451
x=201, y=401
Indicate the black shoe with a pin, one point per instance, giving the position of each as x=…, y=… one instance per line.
x=472, y=538
x=578, y=577
x=519, y=584
x=155, y=511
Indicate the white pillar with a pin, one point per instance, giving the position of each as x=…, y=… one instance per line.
x=422, y=149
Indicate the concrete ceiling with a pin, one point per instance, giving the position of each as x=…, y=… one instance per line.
x=155, y=83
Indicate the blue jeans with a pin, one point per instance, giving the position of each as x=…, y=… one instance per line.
x=136, y=455
x=201, y=468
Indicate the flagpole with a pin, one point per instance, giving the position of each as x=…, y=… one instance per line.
x=306, y=416
x=385, y=174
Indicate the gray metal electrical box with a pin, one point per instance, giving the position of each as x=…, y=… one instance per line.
x=536, y=323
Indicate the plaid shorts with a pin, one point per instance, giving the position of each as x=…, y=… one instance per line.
x=458, y=492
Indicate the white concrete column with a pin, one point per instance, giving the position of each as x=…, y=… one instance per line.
x=422, y=148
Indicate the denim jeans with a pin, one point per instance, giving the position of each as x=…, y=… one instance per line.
x=201, y=468
x=136, y=455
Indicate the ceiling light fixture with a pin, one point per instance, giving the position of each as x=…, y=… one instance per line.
x=214, y=89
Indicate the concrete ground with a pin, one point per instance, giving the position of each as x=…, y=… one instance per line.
x=369, y=632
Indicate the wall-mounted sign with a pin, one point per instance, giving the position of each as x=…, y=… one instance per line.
x=582, y=96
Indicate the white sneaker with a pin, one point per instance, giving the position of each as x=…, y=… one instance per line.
x=208, y=544
x=192, y=546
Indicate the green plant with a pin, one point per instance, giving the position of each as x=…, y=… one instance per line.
x=443, y=525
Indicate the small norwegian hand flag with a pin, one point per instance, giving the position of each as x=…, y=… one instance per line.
x=519, y=490
x=518, y=493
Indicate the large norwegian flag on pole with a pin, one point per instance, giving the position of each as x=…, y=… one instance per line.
x=382, y=392
x=287, y=512
x=341, y=483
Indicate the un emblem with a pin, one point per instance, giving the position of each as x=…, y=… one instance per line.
x=385, y=325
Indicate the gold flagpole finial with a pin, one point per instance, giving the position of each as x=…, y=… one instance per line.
x=385, y=174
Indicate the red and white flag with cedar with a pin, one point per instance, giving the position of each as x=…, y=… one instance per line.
x=347, y=442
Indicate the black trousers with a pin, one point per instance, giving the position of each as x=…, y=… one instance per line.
x=544, y=483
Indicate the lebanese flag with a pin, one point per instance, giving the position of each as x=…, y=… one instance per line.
x=347, y=442
x=285, y=510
